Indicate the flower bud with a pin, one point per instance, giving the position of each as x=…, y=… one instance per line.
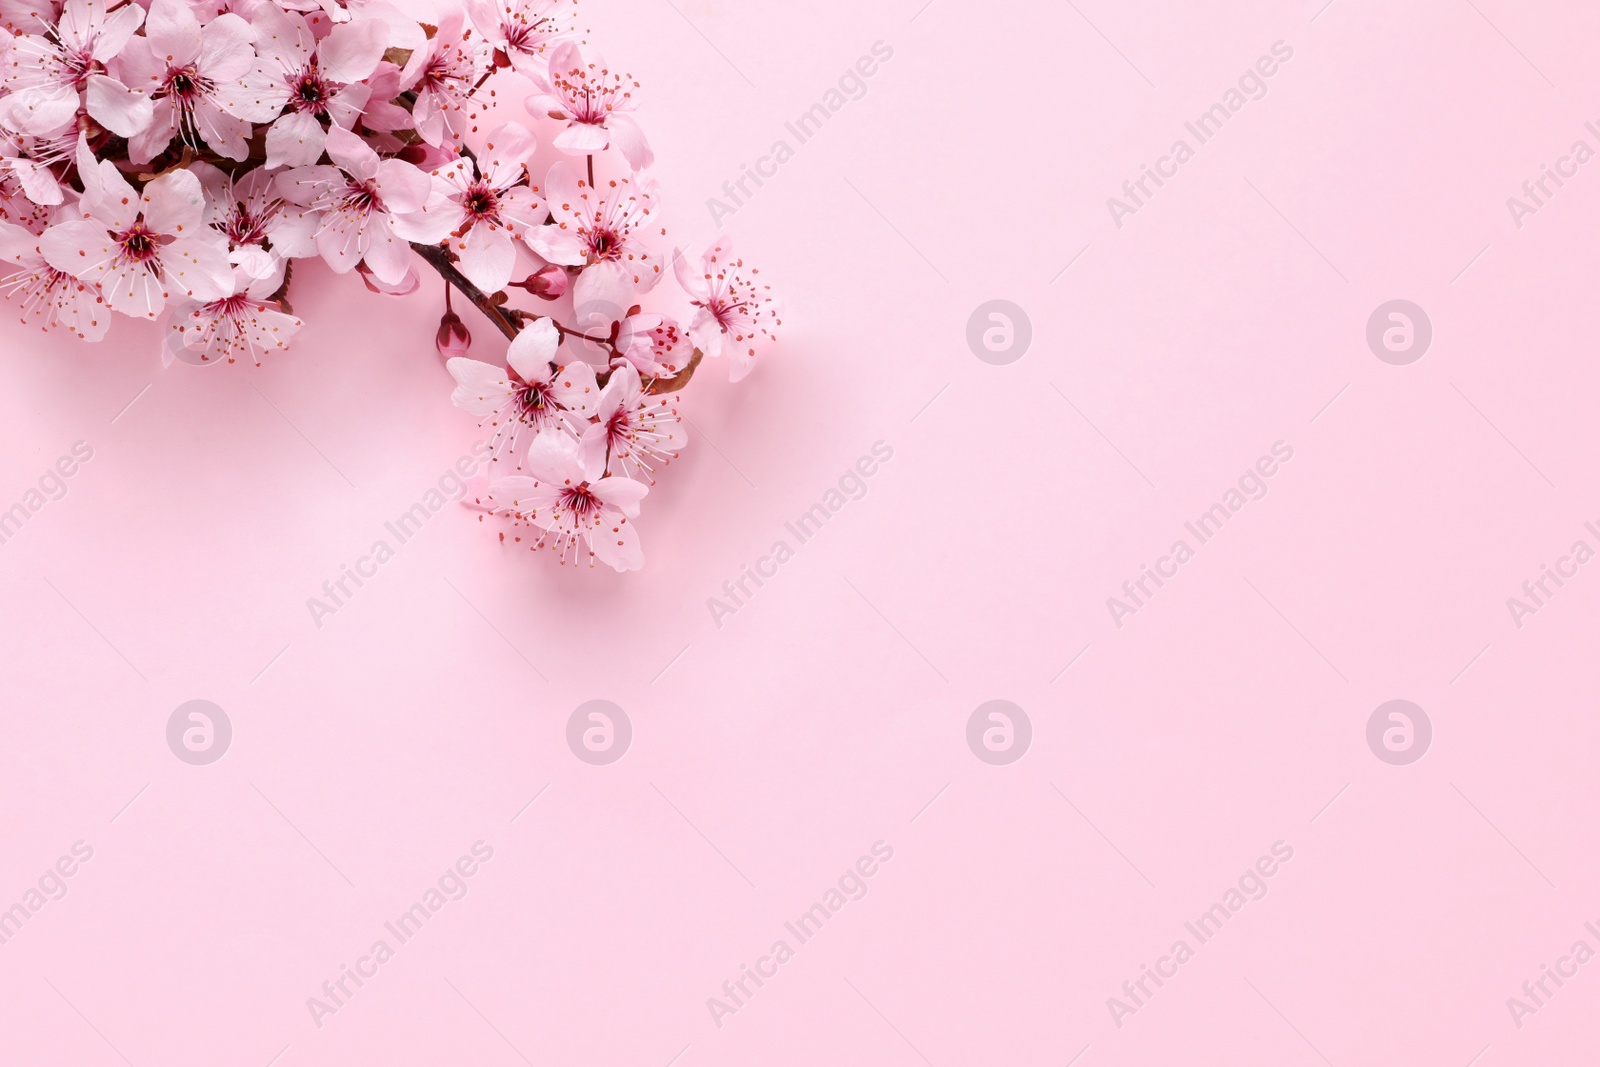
x=548, y=282
x=452, y=339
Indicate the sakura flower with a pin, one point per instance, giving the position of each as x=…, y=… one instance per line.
x=142, y=248
x=205, y=82
x=30, y=162
x=522, y=30
x=531, y=394
x=734, y=311
x=611, y=324
x=243, y=323
x=264, y=230
x=575, y=506
x=653, y=344
x=490, y=205
x=594, y=101
x=62, y=68
x=320, y=80
x=363, y=201
x=635, y=433
x=50, y=297
x=443, y=73
x=594, y=229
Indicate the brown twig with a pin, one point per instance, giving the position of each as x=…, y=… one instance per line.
x=506, y=320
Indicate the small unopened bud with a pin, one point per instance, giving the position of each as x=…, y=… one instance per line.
x=452, y=339
x=548, y=282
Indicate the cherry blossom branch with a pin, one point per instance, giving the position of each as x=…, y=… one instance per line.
x=509, y=321
x=506, y=320
x=567, y=331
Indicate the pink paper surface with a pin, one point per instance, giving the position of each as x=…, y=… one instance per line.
x=1174, y=742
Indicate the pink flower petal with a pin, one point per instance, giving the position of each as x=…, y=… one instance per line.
x=624, y=494
x=174, y=203
x=116, y=107
x=533, y=349
x=352, y=51
x=295, y=140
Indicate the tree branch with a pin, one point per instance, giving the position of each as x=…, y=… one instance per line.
x=506, y=320
x=509, y=320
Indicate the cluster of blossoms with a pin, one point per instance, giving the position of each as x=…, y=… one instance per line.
x=172, y=159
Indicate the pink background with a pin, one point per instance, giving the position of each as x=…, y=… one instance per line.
x=830, y=712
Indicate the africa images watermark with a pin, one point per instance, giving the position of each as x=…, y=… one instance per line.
x=1252, y=485
x=1536, y=992
x=851, y=886
x=1252, y=85
x=1537, y=192
x=1537, y=592
x=51, y=487
x=452, y=485
x=451, y=885
x=1251, y=886
x=851, y=86
x=852, y=485
x=51, y=885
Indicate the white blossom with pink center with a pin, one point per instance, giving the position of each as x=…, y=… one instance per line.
x=524, y=31
x=142, y=248
x=654, y=344
x=635, y=434
x=575, y=507
x=735, y=312
x=50, y=298
x=595, y=102
x=444, y=73
x=263, y=229
x=320, y=80
x=242, y=324
x=488, y=206
x=363, y=202
x=599, y=229
x=55, y=73
x=204, y=81
x=603, y=304
x=529, y=395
